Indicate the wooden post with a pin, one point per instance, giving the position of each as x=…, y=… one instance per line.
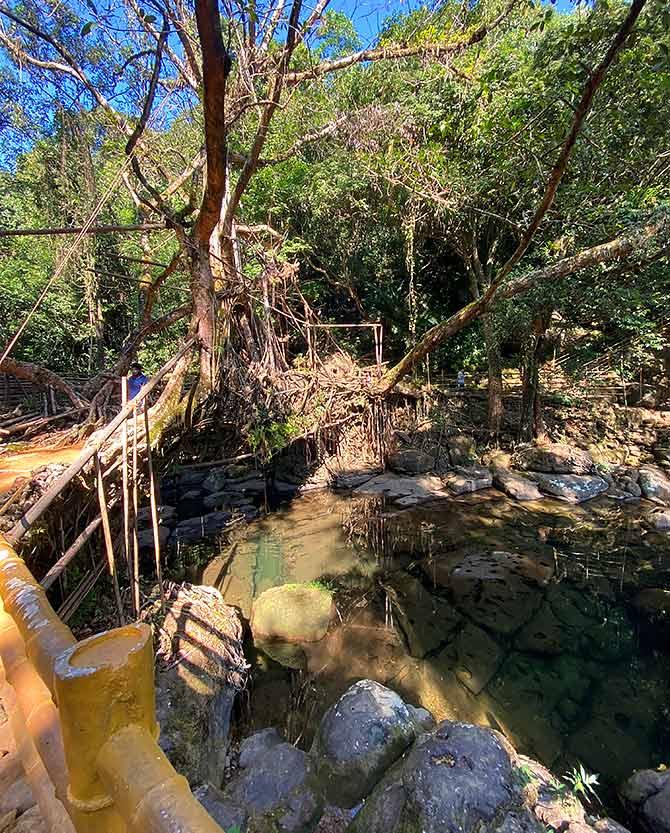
x=154, y=512
x=135, y=576
x=107, y=534
x=124, y=469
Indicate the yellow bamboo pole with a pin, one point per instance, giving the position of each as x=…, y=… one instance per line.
x=124, y=475
x=136, y=543
x=107, y=535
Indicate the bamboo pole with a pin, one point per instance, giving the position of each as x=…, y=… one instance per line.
x=65, y=559
x=107, y=534
x=40, y=506
x=125, y=487
x=135, y=576
x=154, y=513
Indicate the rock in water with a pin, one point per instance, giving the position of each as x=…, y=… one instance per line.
x=459, y=778
x=292, y=613
x=556, y=458
x=202, y=667
x=515, y=485
x=275, y=790
x=655, y=484
x=478, y=657
x=359, y=737
x=411, y=461
x=500, y=590
x=573, y=488
x=465, y=479
x=646, y=795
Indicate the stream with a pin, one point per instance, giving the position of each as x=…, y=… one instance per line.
x=523, y=617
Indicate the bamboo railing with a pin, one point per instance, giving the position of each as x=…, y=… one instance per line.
x=83, y=719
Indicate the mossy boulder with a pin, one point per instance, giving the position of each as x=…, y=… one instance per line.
x=292, y=613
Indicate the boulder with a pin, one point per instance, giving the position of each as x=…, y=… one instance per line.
x=462, y=450
x=646, y=796
x=201, y=669
x=556, y=458
x=515, y=485
x=215, y=480
x=654, y=603
x=457, y=778
x=655, y=484
x=359, y=738
x=406, y=491
x=554, y=806
x=660, y=520
x=275, y=790
x=167, y=515
x=196, y=529
x=145, y=537
x=479, y=657
x=411, y=461
x=352, y=479
x=573, y=488
x=466, y=479
x=499, y=590
x=292, y=613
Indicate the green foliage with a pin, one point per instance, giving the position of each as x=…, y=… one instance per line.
x=583, y=783
x=267, y=436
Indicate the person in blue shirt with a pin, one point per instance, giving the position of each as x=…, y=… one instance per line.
x=136, y=381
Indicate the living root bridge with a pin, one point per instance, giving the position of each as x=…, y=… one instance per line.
x=648, y=241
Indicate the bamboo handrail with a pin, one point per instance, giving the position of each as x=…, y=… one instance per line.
x=98, y=746
x=41, y=505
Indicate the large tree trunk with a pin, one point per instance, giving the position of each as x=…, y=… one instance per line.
x=531, y=423
x=42, y=377
x=495, y=409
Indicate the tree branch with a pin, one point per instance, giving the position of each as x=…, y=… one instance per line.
x=620, y=247
x=382, y=53
x=39, y=375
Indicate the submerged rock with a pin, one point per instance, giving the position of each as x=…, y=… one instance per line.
x=479, y=657
x=499, y=590
x=466, y=479
x=292, y=613
x=411, y=461
x=515, y=485
x=426, y=620
x=359, y=738
x=573, y=488
x=556, y=458
x=655, y=484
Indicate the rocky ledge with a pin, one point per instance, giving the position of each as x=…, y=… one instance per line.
x=380, y=765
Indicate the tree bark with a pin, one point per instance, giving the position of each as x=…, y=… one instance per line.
x=531, y=423
x=495, y=392
x=42, y=377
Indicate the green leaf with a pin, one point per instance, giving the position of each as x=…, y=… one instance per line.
x=87, y=28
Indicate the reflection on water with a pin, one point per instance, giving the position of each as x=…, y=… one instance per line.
x=516, y=616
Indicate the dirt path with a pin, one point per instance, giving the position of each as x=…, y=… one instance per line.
x=19, y=465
